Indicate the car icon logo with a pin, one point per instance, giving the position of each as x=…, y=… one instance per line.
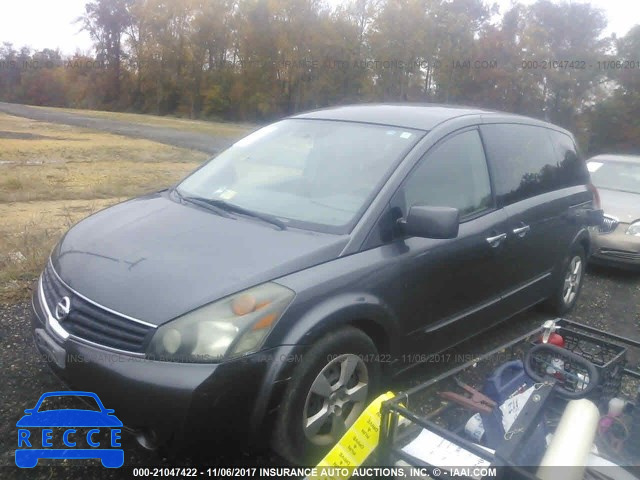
x=79, y=433
x=63, y=308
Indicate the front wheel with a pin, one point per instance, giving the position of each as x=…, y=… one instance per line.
x=327, y=393
x=568, y=288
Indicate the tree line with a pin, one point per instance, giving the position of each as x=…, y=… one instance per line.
x=257, y=60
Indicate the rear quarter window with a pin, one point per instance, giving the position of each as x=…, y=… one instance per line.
x=529, y=160
x=572, y=169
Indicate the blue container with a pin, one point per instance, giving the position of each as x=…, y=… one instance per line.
x=506, y=380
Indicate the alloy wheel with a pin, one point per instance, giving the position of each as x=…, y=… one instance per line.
x=572, y=280
x=337, y=396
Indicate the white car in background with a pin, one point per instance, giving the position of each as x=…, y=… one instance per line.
x=617, y=178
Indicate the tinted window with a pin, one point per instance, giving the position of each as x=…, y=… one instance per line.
x=452, y=174
x=524, y=160
x=572, y=169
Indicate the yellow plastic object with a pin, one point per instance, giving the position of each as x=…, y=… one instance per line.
x=355, y=445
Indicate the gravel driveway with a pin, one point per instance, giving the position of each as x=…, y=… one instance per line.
x=169, y=136
x=609, y=300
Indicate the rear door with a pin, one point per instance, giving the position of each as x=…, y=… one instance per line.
x=533, y=187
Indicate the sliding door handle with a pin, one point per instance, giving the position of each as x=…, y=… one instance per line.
x=521, y=231
x=497, y=240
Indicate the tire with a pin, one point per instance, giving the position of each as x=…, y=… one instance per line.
x=569, y=283
x=334, y=403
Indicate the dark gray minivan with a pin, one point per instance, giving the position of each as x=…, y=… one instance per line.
x=268, y=294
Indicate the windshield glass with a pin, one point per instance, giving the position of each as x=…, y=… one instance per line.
x=623, y=176
x=313, y=174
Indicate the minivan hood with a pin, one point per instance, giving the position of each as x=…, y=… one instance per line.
x=154, y=259
x=625, y=206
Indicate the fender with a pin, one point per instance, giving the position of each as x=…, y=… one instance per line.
x=583, y=237
x=359, y=309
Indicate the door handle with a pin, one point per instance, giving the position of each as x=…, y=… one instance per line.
x=497, y=240
x=521, y=231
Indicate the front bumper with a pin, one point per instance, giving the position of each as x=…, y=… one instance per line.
x=174, y=404
x=616, y=248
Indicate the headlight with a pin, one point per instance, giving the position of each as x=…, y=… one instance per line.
x=230, y=327
x=634, y=229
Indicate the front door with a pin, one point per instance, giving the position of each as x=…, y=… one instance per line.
x=452, y=287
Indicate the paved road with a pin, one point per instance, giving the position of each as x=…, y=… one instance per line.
x=610, y=300
x=169, y=136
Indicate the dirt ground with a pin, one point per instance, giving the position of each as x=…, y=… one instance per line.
x=609, y=300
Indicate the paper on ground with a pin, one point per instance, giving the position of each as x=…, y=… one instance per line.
x=440, y=452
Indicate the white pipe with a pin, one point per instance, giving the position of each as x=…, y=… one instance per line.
x=571, y=443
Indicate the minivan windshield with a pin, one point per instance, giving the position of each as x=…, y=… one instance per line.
x=611, y=175
x=313, y=174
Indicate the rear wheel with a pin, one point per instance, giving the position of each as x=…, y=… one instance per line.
x=327, y=393
x=568, y=288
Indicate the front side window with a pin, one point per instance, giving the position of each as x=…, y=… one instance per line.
x=452, y=174
x=314, y=174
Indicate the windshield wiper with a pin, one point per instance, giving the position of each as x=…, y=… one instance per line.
x=202, y=202
x=222, y=207
x=231, y=207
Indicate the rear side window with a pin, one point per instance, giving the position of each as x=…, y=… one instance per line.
x=524, y=161
x=452, y=174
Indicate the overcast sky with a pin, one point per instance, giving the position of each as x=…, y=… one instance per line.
x=50, y=23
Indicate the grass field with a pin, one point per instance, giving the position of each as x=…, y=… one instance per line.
x=53, y=175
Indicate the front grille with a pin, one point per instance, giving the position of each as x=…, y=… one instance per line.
x=621, y=254
x=609, y=224
x=91, y=322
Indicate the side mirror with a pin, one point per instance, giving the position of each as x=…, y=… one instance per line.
x=595, y=218
x=431, y=222
x=588, y=217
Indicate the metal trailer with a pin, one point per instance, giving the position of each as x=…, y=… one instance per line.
x=409, y=412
